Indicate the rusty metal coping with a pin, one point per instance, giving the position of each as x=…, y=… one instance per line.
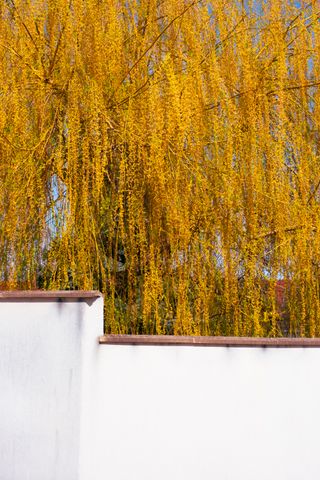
x=48, y=294
x=199, y=341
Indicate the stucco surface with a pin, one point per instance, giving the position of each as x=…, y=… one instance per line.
x=42, y=370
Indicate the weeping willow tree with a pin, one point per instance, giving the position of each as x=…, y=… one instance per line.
x=166, y=152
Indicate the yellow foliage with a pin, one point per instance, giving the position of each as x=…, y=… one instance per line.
x=167, y=153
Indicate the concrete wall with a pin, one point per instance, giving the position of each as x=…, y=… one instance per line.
x=46, y=348
x=185, y=413
x=73, y=409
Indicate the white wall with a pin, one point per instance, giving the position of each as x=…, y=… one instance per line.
x=44, y=359
x=185, y=413
x=72, y=409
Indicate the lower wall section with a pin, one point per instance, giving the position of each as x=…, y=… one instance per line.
x=71, y=409
x=182, y=413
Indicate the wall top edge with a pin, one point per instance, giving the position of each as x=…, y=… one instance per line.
x=208, y=341
x=43, y=294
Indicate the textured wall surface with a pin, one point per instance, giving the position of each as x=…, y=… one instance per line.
x=43, y=354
